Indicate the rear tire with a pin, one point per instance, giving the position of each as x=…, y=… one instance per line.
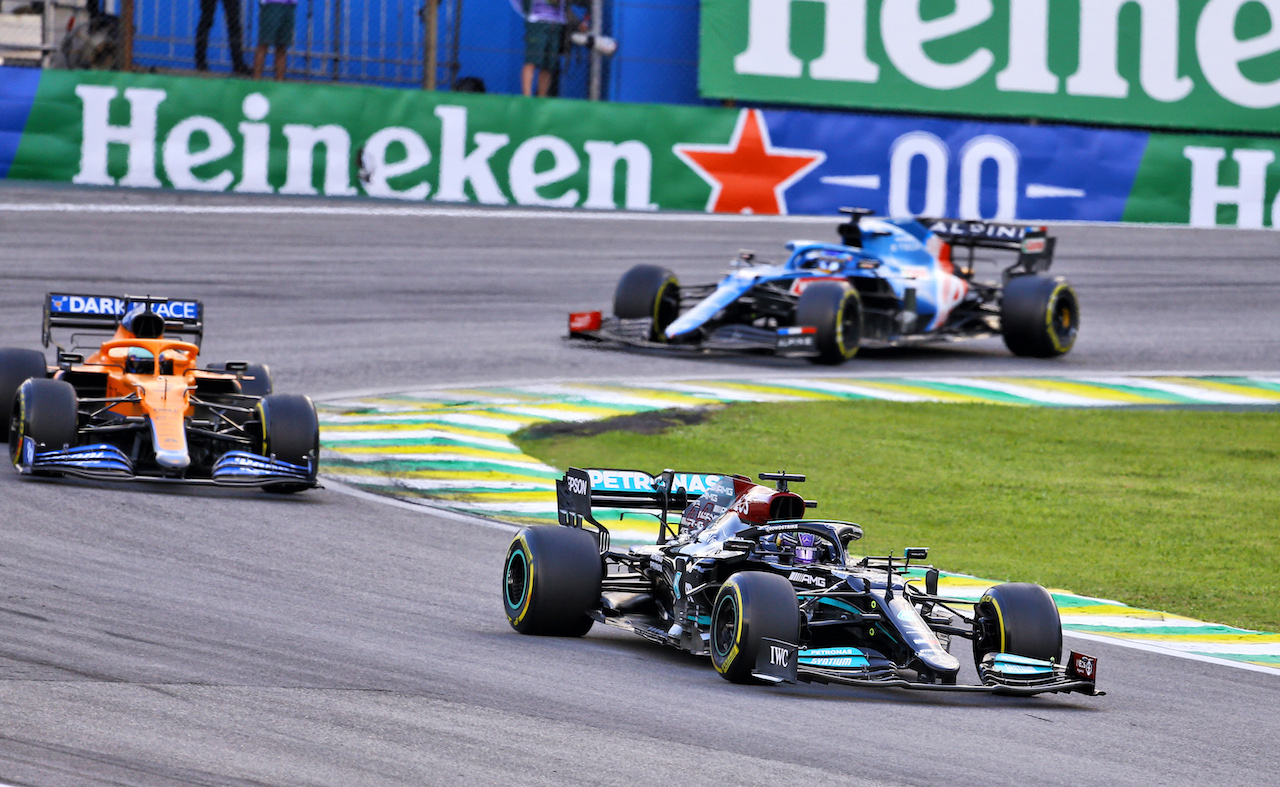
x=260, y=385
x=47, y=411
x=648, y=291
x=1018, y=618
x=835, y=309
x=290, y=432
x=16, y=367
x=751, y=606
x=1039, y=316
x=552, y=581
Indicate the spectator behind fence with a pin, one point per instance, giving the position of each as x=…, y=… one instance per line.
x=545, y=22
x=235, y=35
x=275, y=29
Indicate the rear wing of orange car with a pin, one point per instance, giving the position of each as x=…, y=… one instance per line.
x=100, y=314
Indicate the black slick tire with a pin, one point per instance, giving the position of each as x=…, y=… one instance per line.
x=16, y=367
x=835, y=309
x=750, y=607
x=551, y=581
x=1019, y=618
x=259, y=385
x=290, y=432
x=1039, y=316
x=47, y=411
x=648, y=291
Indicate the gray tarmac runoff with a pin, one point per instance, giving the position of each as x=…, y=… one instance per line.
x=164, y=634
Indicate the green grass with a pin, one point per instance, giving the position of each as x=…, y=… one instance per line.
x=1175, y=510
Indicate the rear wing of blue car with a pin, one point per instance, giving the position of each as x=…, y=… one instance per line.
x=1032, y=242
x=581, y=492
x=102, y=313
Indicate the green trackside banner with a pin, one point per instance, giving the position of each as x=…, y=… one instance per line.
x=1190, y=64
x=238, y=136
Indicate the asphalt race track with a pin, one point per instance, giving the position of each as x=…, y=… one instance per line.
x=157, y=634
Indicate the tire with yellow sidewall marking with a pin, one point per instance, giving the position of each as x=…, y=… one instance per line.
x=1019, y=618
x=551, y=580
x=1039, y=316
x=16, y=367
x=835, y=309
x=648, y=291
x=750, y=607
x=290, y=432
x=47, y=411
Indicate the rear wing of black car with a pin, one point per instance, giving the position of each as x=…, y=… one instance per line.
x=102, y=313
x=581, y=492
x=1032, y=242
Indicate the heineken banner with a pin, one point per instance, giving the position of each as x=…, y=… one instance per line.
x=238, y=136
x=1199, y=64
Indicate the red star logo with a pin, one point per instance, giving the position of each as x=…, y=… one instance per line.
x=749, y=175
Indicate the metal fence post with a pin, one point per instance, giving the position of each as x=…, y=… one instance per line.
x=126, y=31
x=336, y=66
x=454, y=44
x=431, y=35
x=597, y=28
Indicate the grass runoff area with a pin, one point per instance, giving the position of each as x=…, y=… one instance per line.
x=1175, y=510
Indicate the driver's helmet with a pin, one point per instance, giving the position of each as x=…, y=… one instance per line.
x=139, y=360
x=806, y=550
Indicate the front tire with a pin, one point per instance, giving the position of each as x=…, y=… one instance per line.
x=1039, y=316
x=750, y=607
x=47, y=411
x=835, y=309
x=648, y=291
x=290, y=432
x=552, y=581
x=1019, y=618
x=16, y=367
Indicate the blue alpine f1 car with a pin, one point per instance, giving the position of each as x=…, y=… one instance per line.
x=889, y=282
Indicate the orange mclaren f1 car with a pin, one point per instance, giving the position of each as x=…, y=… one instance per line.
x=139, y=407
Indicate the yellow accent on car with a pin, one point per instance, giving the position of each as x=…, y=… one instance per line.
x=737, y=625
x=1048, y=317
x=528, y=581
x=999, y=619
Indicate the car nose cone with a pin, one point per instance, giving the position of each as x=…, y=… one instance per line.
x=174, y=460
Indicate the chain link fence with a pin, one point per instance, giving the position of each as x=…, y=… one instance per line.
x=385, y=42
x=393, y=43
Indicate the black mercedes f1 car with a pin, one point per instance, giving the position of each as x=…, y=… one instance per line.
x=773, y=597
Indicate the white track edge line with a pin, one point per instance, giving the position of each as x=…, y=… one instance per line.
x=421, y=508
x=772, y=375
x=1171, y=652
